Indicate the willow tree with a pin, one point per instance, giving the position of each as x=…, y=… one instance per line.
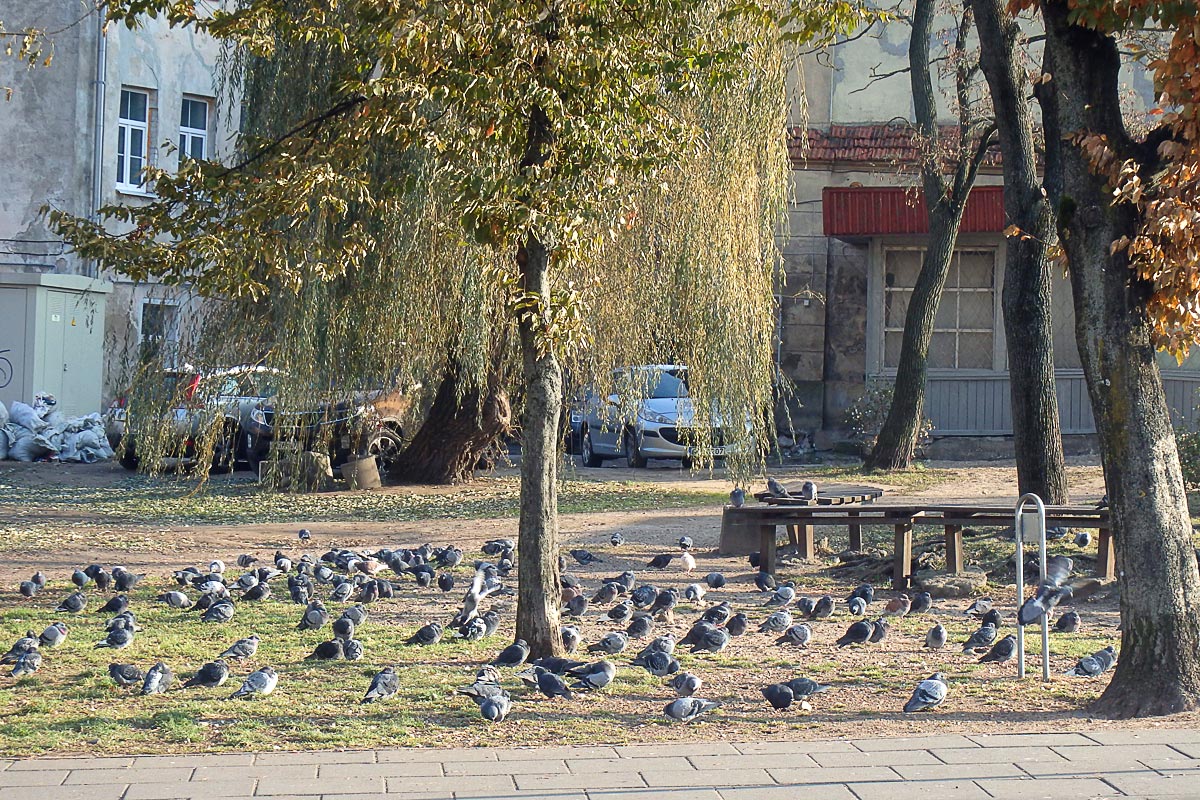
x=597, y=183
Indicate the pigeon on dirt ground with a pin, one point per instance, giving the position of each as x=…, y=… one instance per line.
x=611, y=643
x=687, y=709
x=616, y=540
x=260, y=682
x=1002, y=651
x=799, y=635
x=929, y=694
x=660, y=561
x=685, y=684
x=495, y=709
x=935, y=637
x=804, y=688
x=778, y=695
x=979, y=607
x=921, y=603
x=858, y=633
x=980, y=639
x=777, y=622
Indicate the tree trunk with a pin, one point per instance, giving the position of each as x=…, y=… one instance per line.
x=1026, y=299
x=463, y=424
x=1159, y=667
x=537, y=545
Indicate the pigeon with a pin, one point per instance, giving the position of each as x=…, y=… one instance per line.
x=29, y=588
x=935, y=637
x=799, y=635
x=123, y=620
x=1050, y=593
x=718, y=614
x=606, y=594
x=663, y=644
x=261, y=681
x=805, y=605
x=54, y=635
x=694, y=592
x=808, y=491
x=992, y=617
x=585, y=557
x=115, y=605
x=125, y=674
x=804, y=688
x=491, y=622
x=343, y=628
x=246, y=560
x=495, y=709
x=658, y=663
x=665, y=601
x=1083, y=539
x=576, y=607
x=980, y=607
x=715, y=580
x=332, y=650
x=445, y=582
x=314, y=617
x=640, y=627
x=558, y=665
x=426, y=635
x=687, y=709
x=688, y=561
x=571, y=638
x=921, y=603
x=27, y=663
x=1067, y=623
x=117, y=639
x=514, y=655
x=929, y=694
x=217, y=567
x=356, y=614
x=765, y=581
x=1001, y=651
x=779, y=695
x=857, y=606
x=1056, y=532
x=26, y=644
x=778, y=622
x=737, y=624
x=73, y=603
x=880, y=631
x=1094, y=665
x=103, y=579
x=783, y=596
x=384, y=686
x=685, y=684
x=610, y=644
x=219, y=612
x=124, y=580
x=711, y=641
x=822, y=609
x=898, y=606
x=644, y=596
x=698, y=629
x=737, y=498
x=157, y=679
x=858, y=633
x=549, y=684
x=777, y=489
x=980, y=639
x=38, y=579
x=210, y=675
x=661, y=561
x=242, y=648
x=616, y=540
x=866, y=591
x=352, y=649
x=80, y=578
x=304, y=534
x=592, y=677
x=686, y=543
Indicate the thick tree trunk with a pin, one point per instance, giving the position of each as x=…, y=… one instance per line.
x=463, y=424
x=1028, y=329
x=1158, y=671
x=537, y=545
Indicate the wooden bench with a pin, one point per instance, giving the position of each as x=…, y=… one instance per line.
x=801, y=521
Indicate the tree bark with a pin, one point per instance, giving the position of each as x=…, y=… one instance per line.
x=945, y=200
x=1159, y=667
x=1026, y=300
x=463, y=424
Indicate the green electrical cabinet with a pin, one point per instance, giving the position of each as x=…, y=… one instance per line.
x=52, y=339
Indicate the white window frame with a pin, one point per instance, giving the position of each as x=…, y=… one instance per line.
x=131, y=181
x=189, y=135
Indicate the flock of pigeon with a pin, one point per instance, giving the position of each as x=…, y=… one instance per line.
x=636, y=610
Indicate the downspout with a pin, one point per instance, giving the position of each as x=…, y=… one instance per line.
x=93, y=269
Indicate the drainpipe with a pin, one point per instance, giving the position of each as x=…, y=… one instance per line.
x=93, y=268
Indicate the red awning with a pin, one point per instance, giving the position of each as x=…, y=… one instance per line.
x=883, y=210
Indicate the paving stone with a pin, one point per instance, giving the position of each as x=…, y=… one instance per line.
x=1188, y=766
x=415, y=769
x=610, y=780
x=829, y=746
x=882, y=758
x=588, y=766
x=462, y=785
x=543, y=753
x=317, y=757
x=291, y=786
x=955, y=772
x=768, y=761
x=707, y=777
x=1132, y=752
x=108, y=791
x=827, y=791
x=823, y=775
x=198, y=760
x=687, y=749
x=208, y=790
x=994, y=755
x=1044, y=788
x=941, y=790
x=1031, y=740
x=649, y=794
x=1148, y=736
x=290, y=772
x=131, y=775
x=1155, y=785
x=5, y=764
x=70, y=763
x=912, y=743
x=398, y=796
x=1188, y=749
x=417, y=754
x=1097, y=766
x=506, y=767
x=51, y=777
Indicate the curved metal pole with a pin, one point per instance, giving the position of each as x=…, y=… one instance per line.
x=1019, y=527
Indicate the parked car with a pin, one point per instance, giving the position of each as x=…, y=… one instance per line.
x=648, y=414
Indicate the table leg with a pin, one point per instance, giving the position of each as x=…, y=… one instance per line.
x=806, y=547
x=954, y=549
x=1106, y=562
x=855, y=533
x=766, y=548
x=793, y=537
x=902, y=566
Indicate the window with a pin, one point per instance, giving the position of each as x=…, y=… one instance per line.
x=133, y=127
x=964, y=331
x=193, y=129
x=160, y=330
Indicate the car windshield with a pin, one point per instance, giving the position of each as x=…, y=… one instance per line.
x=667, y=384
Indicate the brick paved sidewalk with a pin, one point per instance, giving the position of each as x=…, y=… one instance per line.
x=1149, y=764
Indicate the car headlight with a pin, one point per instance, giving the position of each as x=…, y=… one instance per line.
x=653, y=416
x=259, y=416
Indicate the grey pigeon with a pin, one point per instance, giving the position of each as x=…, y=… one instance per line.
x=304, y=534
x=39, y=579
x=124, y=580
x=1067, y=623
x=715, y=580
x=220, y=612
x=80, y=578
x=712, y=641
x=246, y=560
x=686, y=709
x=694, y=592
x=341, y=592
x=384, y=686
x=548, y=683
x=260, y=682
x=661, y=561
x=686, y=543
x=718, y=614
x=495, y=709
x=935, y=637
x=857, y=606
x=343, y=628
x=115, y=605
x=356, y=614
x=779, y=695
x=29, y=588
x=26, y=644
x=929, y=694
x=979, y=607
x=737, y=498
x=880, y=631
x=808, y=491
x=799, y=635
x=571, y=638
x=210, y=675
x=576, y=607
x=640, y=627
x=657, y=663
x=776, y=623
x=765, y=581
x=54, y=635
x=73, y=603
x=616, y=540
x=592, y=677
x=610, y=644
x=980, y=639
x=1083, y=538
x=125, y=674
x=158, y=679
x=514, y=655
x=27, y=663
x=823, y=608
x=992, y=617
x=606, y=594
x=242, y=648
x=314, y=617
x=663, y=644
x=921, y=603
x=117, y=639
x=777, y=489
x=1043, y=603
x=858, y=633
x=621, y=613
x=1094, y=665
x=698, y=629
x=1001, y=651
x=585, y=557
x=783, y=596
x=737, y=624
x=866, y=591
x=685, y=684
x=426, y=635
x=352, y=649
x=559, y=665
x=804, y=688
x=176, y=599
x=332, y=650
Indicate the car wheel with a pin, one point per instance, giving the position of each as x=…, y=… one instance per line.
x=385, y=445
x=689, y=463
x=587, y=453
x=257, y=450
x=225, y=449
x=633, y=457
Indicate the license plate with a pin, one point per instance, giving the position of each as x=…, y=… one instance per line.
x=718, y=451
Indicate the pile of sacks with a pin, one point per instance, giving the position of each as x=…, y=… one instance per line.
x=40, y=431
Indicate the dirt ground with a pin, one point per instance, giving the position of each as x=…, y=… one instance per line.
x=870, y=684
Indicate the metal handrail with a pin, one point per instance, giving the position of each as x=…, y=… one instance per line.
x=1019, y=527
